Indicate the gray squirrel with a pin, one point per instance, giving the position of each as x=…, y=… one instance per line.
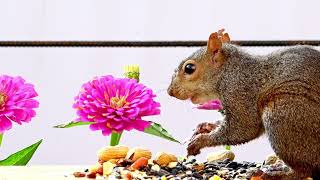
x=277, y=94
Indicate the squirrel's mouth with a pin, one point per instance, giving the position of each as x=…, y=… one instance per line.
x=194, y=100
x=198, y=100
x=205, y=103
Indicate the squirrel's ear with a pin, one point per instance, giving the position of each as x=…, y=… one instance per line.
x=216, y=39
x=214, y=43
x=225, y=37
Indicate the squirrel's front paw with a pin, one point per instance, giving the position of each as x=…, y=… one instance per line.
x=205, y=127
x=197, y=143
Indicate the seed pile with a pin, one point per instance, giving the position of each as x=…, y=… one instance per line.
x=120, y=162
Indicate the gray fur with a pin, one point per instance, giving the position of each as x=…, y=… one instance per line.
x=277, y=94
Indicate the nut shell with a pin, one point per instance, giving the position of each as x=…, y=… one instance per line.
x=220, y=156
x=138, y=152
x=113, y=161
x=112, y=152
x=164, y=159
x=108, y=168
x=139, y=163
x=96, y=169
x=172, y=165
x=271, y=159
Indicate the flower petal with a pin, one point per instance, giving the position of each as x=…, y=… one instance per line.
x=140, y=124
x=116, y=104
x=5, y=124
x=19, y=103
x=211, y=105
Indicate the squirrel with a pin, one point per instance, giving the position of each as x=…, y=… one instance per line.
x=276, y=94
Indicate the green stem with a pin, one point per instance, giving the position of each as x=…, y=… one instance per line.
x=228, y=147
x=1, y=137
x=115, y=138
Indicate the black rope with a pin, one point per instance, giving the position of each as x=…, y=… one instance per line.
x=148, y=43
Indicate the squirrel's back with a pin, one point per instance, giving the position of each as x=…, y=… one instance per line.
x=294, y=70
x=301, y=63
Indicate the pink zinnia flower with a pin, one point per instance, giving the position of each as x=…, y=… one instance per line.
x=16, y=103
x=115, y=105
x=211, y=105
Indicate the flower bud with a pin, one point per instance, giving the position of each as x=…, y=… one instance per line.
x=132, y=72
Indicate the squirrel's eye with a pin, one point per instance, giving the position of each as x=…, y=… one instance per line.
x=189, y=68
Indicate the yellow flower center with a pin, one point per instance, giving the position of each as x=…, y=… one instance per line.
x=2, y=99
x=118, y=102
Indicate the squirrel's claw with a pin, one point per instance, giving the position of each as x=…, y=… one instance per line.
x=204, y=128
x=193, y=149
x=197, y=143
x=200, y=138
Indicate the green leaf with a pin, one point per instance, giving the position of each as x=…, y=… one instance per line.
x=228, y=147
x=115, y=138
x=21, y=157
x=72, y=124
x=157, y=130
x=1, y=136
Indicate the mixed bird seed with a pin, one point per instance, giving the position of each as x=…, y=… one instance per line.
x=219, y=166
x=189, y=169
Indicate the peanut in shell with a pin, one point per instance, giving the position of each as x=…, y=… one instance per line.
x=164, y=159
x=138, y=152
x=112, y=152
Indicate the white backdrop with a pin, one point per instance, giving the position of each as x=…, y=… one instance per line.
x=59, y=72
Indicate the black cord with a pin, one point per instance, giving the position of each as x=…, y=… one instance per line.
x=149, y=43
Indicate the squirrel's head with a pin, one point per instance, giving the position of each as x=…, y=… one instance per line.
x=196, y=77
